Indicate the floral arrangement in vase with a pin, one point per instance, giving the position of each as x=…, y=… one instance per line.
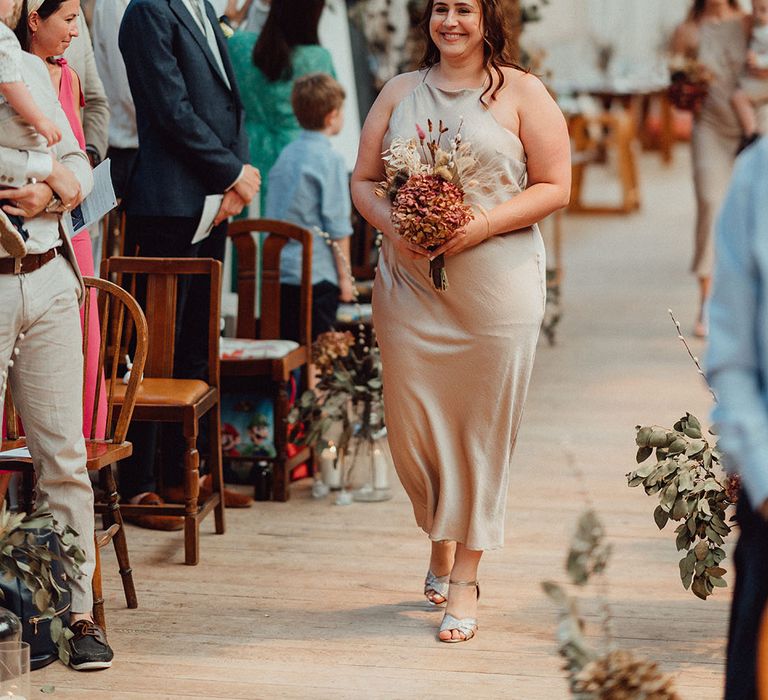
x=427, y=185
x=348, y=395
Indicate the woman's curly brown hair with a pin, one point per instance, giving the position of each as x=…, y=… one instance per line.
x=496, y=43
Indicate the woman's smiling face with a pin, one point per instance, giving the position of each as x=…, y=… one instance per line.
x=456, y=27
x=52, y=35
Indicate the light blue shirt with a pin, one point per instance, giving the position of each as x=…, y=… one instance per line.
x=737, y=358
x=309, y=187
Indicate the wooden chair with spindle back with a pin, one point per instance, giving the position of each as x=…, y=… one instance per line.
x=164, y=398
x=268, y=360
x=119, y=316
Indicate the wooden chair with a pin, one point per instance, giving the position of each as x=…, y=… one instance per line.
x=266, y=360
x=119, y=314
x=163, y=398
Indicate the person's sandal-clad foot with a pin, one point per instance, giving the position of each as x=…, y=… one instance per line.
x=466, y=626
x=88, y=648
x=12, y=238
x=436, y=588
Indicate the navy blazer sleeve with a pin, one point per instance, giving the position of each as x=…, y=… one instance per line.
x=146, y=42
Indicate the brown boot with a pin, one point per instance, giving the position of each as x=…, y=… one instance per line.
x=232, y=499
x=155, y=522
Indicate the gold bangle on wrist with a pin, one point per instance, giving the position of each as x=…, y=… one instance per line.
x=487, y=224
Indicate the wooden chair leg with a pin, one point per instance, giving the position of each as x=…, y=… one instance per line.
x=627, y=173
x=98, y=596
x=27, y=496
x=580, y=145
x=119, y=540
x=191, y=494
x=5, y=480
x=216, y=467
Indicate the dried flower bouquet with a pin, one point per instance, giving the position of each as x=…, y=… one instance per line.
x=427, y=185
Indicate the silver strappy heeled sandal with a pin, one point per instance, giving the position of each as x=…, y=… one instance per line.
x=466, y=625
x=436, y=585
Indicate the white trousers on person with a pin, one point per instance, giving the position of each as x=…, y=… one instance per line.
x=46, y=381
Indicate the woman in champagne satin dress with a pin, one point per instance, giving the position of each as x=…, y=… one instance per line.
x=457, y=363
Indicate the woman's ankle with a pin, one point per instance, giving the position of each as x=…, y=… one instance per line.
x=442, y=557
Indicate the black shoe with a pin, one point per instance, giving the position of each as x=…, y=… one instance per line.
x=88, y=648
x=746, y=141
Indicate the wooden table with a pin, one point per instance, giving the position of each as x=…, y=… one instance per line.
x=615, y=132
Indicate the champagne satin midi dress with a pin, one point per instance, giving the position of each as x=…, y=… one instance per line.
x=457, y=363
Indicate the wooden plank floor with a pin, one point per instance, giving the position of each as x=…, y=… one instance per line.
x=309, y=600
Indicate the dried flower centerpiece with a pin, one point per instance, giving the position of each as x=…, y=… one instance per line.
x=689, y=83
x=427, y=185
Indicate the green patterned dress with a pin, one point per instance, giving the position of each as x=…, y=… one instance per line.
x=269, y=119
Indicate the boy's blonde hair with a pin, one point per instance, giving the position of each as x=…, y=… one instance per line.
x=314, y=97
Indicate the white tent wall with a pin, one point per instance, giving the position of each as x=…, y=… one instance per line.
x=334, y=35
x=572, y=32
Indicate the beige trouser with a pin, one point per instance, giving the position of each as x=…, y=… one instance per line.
x=47, y=385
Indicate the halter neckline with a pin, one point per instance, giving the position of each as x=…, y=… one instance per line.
x=452, y=90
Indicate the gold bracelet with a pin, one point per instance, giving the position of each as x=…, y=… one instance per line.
x=487, y=224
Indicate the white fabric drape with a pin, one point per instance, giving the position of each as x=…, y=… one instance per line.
x=636, y=34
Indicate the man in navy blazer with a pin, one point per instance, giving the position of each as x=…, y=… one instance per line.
x=192, y=143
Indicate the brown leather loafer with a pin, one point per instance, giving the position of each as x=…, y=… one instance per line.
x=155, y=522
x=232, y=499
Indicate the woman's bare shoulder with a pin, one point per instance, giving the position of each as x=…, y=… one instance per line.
x=685, y=38
x=520, y=84
x=401, y=85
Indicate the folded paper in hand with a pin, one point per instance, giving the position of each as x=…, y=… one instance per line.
x=211, y=207
x=97, y=204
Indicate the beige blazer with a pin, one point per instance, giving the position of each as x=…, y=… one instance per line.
x=17, y=166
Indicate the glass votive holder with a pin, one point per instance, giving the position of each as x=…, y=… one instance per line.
x=14, y=671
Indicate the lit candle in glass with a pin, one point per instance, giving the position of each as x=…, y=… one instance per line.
x=380, y=469
x=330, y=469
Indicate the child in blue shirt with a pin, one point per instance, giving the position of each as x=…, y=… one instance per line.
x=309, y=187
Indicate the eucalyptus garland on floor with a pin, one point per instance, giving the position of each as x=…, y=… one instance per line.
x=609, y=674
x=24, y=558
